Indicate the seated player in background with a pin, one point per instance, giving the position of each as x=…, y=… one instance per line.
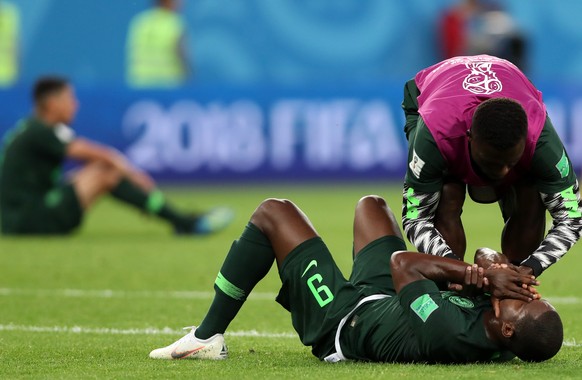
x=33, y=200
x=390, y=310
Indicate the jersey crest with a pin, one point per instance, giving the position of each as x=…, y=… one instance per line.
x=457, y=300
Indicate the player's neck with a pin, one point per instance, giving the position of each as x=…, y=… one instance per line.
x=48, y=118
x=492, y=327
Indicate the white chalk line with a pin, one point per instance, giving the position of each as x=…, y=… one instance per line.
x=132, y=331
x=571, y=343
x=178, y=294
x=163, y=331
x=108, y=293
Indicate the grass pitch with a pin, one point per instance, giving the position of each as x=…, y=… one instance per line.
x=94, y=304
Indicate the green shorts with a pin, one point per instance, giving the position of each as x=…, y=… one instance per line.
x=317, y=294
x=57, y=213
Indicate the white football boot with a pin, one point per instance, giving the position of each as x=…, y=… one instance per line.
x=190, y=347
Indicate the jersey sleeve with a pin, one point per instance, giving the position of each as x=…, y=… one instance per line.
x=426, y=165
x=550, y=164
x=560, y=193
x=421, y=194
x=418, y=212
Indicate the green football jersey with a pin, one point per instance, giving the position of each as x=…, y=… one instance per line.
x=421, y=324
x=30, y=165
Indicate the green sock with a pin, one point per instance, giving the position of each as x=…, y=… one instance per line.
x=249, y=260
x=152, y=202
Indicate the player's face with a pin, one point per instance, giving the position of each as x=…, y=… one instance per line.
x=491, y=163
x=66, y=104
x=511, y=310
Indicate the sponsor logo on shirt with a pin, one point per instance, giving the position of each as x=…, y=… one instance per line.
x=416, y=164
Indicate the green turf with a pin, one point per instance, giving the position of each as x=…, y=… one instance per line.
x=141, y=263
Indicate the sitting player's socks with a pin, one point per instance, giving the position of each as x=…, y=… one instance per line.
x=154, y=203
x=248, y=261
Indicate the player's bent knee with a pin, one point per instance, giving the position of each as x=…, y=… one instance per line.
x=271, y=210
x=372, y=201
x=110, y=178
x=276, y=206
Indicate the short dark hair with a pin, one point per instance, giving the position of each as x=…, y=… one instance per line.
x=47, y=86
x=536, y=339
x=500, y=123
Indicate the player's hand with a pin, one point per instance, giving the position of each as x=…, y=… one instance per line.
x=496, y=302
x=504, y=282
x=474, y=281
x=524, y=270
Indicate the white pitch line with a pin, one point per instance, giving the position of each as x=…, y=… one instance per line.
x=571, y=343
x=163, y=331
x=177, y=294
x=108, y=293
x=146, y=331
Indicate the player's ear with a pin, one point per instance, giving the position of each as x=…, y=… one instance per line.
x=469, y=134
x=507, y=329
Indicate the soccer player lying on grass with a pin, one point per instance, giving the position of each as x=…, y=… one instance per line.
x=33, y=200
x=390, y=310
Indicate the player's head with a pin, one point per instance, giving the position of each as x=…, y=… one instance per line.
x=168, y=4
x=533, y=330
x=55, y=99
x=497, y=137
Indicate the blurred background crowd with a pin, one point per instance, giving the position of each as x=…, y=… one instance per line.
x=237, y=90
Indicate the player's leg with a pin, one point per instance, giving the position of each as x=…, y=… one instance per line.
x=284, y=224
x=373, y=219
x=92, y=181
x=96, y=179
x=275, y=229
x=153, y=201
x=448, y=217
x=525, y=222
x=313, y=288
x=376, y=236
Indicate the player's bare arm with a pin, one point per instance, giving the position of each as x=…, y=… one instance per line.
x=504, y=282
x=88, y=151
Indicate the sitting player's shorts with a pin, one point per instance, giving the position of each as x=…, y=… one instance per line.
x=318, y=295
x=58, y=212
